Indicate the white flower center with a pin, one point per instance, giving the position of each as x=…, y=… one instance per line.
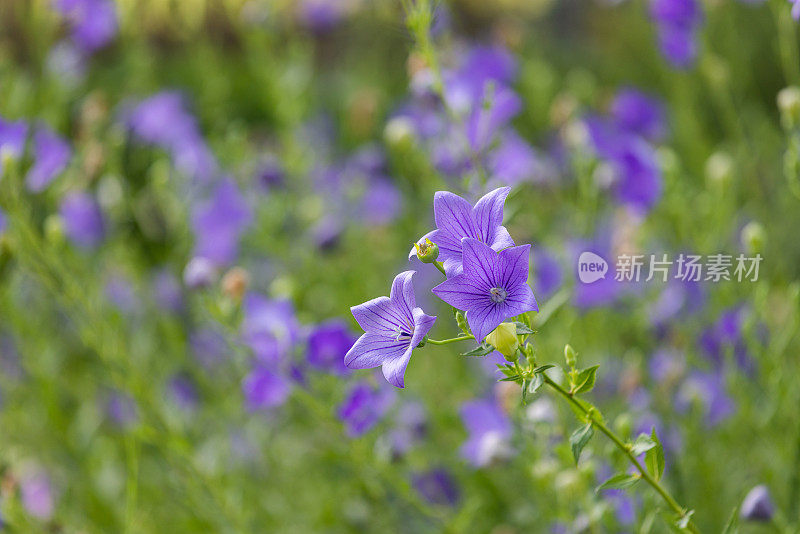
x=498, y=294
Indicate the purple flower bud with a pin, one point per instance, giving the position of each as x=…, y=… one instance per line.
x=264, y=389
x=122, y=410
x=12, y=138
x=36, y=493
x=328, y=344
x=219, y=222
x=51, y=156
x=757, y=505
x=489, y=430
x=436, y=486
x=183, y=391
x=94, y=22
x=167, y=291
x=83, y=219
x=364, y=406
x=199, y=272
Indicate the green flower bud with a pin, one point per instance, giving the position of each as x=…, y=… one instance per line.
x=570, y=356
x=789, y=106
x=504, y=339
x=399, y=133
x=54, y=230
x=719, y=171
x=427, y=252
x=461, y=321
x=623, y=424
x=753, y=237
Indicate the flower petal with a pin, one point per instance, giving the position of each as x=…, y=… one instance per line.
x=453, y=216
x=462, y=293
x=501, y=239
x=483, y=320
x=481, y=263
x=402, y=294
x=372, y=350
x=488, y=213
x=514, y=266
x=395, y=369
x=380, y=316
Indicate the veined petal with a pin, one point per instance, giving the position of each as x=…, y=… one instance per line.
x=514, y=266
x=422, y=325
x=372, y=350
x=453, y=215
x=380, y=316
x=402, y=294
x=520, y=300
x=501, y=239
x=488, y=213
x=483, y=320
x=395, y=369
x=481, y=263
x=462, y=293
x=453, y=267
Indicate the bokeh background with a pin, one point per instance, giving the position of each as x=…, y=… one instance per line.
x=194, y=193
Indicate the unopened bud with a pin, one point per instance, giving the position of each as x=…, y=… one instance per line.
x=461, y=321
x=399, y=132
x=54, y=230
x=753, y=237
x=719, y=171
x=789, y=106
x=199, y=272
x=757, y=505
x=504, y=339
x=570, y=356
x=427, y=252
x=235, y=283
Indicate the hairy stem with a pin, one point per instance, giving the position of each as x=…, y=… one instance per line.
x=448, y=341
x=591, y=415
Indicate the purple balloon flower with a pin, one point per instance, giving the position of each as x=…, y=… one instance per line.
x=457, y=219
x=36, y=494
x=489, y=430
x=639, y=113
x=94, y=22
x=12, y=137
x=51, y=154
x=393, y=326
x=795, y=9
x=219, y=222
x=364, y=406
x=83, y=219
x=757, y=505
x=677, y=22
x=264, y=389
x=492, y=288
x=270, y=328
x=328, y=344
x=436, y=486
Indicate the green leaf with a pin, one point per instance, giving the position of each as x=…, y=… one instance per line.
x=543, y=368
x=732, y=526
x=683, y=521
x=642, y=444
x=536, y=382
x=579, y=439
x=525, y=382
x=586, y=379
x=512, y=378
x=619, y=481
x=654, y=459
x=523, y=329
x=481, y=350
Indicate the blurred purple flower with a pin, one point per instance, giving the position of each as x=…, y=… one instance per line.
x=381, y=202
x=219, y=222
x=122, y=409
x=795, y=9
x=120, y=292
x=494, y=109
x=725, y=335
x=328, y=344
x=638, y=113
x=208, y=346
x=677, y=23
x=3, y=222
x=492, y=288
x=411, y=427
x=436, y=486
x=167, y=291
x=51, y=156
x=199, y=272
x=13, y=135
x=456, y=219
x=83, y=219
x=322, y=15
x=709, y=389
x=271, y=174
x=393, y=327
x=757, y=505
x=183, y=392
x=364, y=406
x=547, y=274
x=514, y=161
x=269, y=328
x=264, y=389
x=94, y=22
x=489, y=431
x=666, y=365
x=36, y=493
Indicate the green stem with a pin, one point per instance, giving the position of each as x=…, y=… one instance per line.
x=448, y=341
x=439, y=265
x=669, y=499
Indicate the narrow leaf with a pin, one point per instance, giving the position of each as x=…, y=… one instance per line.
x=543, y=368
x=536, y=382
x=619, y=481
x=732, y=526
x=481, y=350
x=654, y=459
x=523, y=329
x=525, y=390
x=512, y=378
x=579, y=439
